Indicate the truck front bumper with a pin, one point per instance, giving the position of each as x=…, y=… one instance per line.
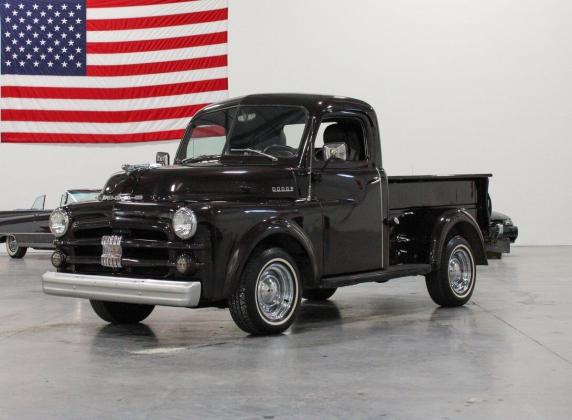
x=123, y=289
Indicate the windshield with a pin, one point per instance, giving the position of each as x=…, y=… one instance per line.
x=265, y=132
x=79, y=196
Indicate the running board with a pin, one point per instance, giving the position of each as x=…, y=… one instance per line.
x=380, y=276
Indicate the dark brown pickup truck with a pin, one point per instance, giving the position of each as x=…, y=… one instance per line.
x=271, y=199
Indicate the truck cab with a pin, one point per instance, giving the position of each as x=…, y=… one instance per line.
x=270, y=199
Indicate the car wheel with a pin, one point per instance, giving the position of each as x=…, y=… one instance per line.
x=13, y=249
x=452, y=284
x=268, y=296
x=319, y=294
x=121, y=313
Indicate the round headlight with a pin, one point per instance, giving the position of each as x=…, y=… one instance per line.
x=59, y=222
x=184, y=223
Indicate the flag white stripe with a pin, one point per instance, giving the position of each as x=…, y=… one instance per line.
x=154, y=10
x=94, y=128
x=156, y=33
x=113, y=105
x=156, y=56
x=114, y=82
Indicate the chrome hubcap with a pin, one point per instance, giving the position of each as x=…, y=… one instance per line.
x=276, y=290
x=12, y=244
x=460, y=271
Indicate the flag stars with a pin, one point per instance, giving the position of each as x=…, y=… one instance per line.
x=71, y=28
x=7, y=34
x=8, y=63
x=64, y=64
x=43, y=28
x=29, y=27
x=14, y=56
x=70, y=42
x=35, y=34
x=28, y=42
x=78, y=64
x=50, y=7
x=28, y=13
x=64, y=50
x=71, y=14
x=14, y=13
x=22, y=63
x=64, y=6
x=36, y=20
x=7, y=19
x=8, y=48
x=36, y=49
x=14, y=26
x=21, y=49
x=78, y=21
x=35, y=6
x=21, y=20
x=28, y=56
x=43, y=14
x=7, y=5
x=50, y=64
x=57, y=14
x=78, y=6
x=42, y=56
x=42, y=42
x=36, y=64
x=21, y=6
x=64, y=35
x=64, y=21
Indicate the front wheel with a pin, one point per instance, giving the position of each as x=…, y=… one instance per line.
x=268, y=296
x=121, y=313
x=452, y=284
x=14, y=250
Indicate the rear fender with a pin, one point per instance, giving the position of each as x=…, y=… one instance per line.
x=458, y=222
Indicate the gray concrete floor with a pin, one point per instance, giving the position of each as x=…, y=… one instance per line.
x=374, y=351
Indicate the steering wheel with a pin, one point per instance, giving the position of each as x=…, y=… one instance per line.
x=280, y=151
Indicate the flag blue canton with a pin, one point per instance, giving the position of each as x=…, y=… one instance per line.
x=43, y=37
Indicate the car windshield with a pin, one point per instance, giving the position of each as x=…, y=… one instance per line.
x=270, y=133
x=79, y=196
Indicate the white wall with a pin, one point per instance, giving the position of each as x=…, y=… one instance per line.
x=460, y=86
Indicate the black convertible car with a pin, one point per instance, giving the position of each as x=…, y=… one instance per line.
x=28, y=228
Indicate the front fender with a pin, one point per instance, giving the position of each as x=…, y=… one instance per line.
x=465, y=224
x=255, y=236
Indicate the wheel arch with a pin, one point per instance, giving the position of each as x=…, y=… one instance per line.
x=281, y=233
x=457, y=222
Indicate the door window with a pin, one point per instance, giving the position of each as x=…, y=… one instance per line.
x=341, y=139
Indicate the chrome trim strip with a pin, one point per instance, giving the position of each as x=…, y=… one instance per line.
x=123, y=289
x=381, y=211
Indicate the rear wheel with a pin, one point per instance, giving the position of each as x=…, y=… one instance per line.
x=319, y=294
x=268, y=296
x=13, y=249
x=452, y=284
x=121, y=313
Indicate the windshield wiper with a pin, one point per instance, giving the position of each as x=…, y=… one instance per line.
x=199, y=158
x=258, y=152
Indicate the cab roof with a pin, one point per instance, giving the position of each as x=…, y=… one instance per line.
x=315, y=104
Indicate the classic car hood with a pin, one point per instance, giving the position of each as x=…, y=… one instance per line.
x=201, y=182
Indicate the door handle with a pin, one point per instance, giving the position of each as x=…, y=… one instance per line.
x=374, y=180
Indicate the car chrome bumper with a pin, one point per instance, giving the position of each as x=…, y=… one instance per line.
x=123, y=289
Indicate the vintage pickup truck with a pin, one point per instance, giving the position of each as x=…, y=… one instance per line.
x=271, y=198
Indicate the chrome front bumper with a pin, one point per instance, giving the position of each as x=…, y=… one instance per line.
x=123, y=289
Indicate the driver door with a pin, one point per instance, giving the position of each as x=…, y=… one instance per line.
x=349, y=192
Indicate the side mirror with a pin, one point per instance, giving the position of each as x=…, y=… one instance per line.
x=335, y=151
x=163, y=158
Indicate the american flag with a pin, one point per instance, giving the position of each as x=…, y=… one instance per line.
x=107, y=71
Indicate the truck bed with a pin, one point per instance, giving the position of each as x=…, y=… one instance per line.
x=417, y=200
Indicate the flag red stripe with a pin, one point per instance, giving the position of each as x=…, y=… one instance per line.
x=101, y=116
x=123, y=3
x=161, y=67
x=156, y=44
x=90, y=138
x=157, y=21
x=115, y=93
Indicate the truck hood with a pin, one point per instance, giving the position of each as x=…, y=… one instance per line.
x=202, y=182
